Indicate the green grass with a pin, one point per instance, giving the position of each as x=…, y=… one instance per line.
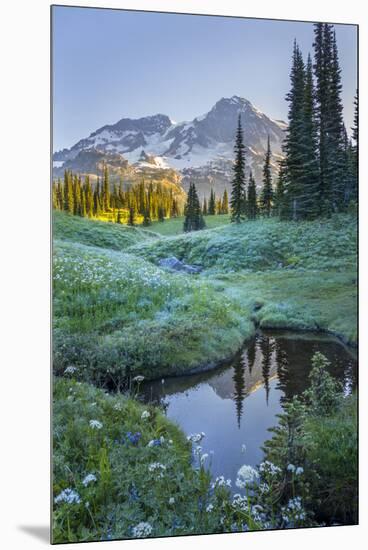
x=174, y=226
x=97, y=233
x=117, y=313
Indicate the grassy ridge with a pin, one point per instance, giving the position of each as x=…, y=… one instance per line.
x=97, y=233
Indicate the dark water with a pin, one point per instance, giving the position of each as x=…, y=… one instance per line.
x=237, y=404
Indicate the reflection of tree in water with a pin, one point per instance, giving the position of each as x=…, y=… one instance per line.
x=282, y=365
x=239, y=387
x=266, y=346
x=251, y=354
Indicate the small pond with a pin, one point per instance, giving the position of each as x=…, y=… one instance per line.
x=235, y=405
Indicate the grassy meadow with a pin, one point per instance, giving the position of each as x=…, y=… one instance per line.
x=121, y=469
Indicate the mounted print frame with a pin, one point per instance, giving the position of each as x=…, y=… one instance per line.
x=205, y=210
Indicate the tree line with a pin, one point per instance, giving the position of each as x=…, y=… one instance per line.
x=82, y=198
x=319, y=172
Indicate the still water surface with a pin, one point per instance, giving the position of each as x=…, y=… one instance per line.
x=237, y=404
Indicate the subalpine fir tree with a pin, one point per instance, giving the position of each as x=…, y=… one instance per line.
x=293, y=145
x=335, y=132
x=204, y=209
x=280, y=203
x=131, y=216
x=68, y=193
x=106, y=189
x=266, y=198
x=309, y=181
x=252, y=207
x=193, y=216
x=212, y=204
x=225, y=203
x=161, y=214
x=238, y=183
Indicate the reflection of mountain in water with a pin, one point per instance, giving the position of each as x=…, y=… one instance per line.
x=284, y=356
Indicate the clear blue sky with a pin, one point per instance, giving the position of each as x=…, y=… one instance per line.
x=110, y=64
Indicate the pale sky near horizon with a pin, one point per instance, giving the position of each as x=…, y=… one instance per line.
x=112, y=64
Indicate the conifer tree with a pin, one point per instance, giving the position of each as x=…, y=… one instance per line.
x=131, y=217
x=212, y=204
x=204, y=209
x=266, y=198
x=106, y=189
x=193, y=215
x=252, y=207
x=293, y=144
x=309, y=180
x=225, y=203
x=119, y=218
x=238, y=183
x=280, y=204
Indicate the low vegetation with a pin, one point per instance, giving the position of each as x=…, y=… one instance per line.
x=122, y=470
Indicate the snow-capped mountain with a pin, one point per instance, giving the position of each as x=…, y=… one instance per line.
x=202, y=149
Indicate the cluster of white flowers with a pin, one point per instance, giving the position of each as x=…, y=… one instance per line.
x=196, y=438
x=240, y=503
x=70, y=370
x=139, y=378
x=143, y=529
x=69, y=496
x=171, y=500
x=209, y=508
x=88, y=479
x=95, y=424
x=76, y=265
x=268, y=467
x=118, y=407
x=145, y=414
x=220, y=481
x=246, y=475
x=294, y=510
x=158, y=468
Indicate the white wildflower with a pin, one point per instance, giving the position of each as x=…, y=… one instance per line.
x=246, y=475
x=143, y=529
x=196, y=438
x=118, y=407
x=145, y=414
x=171, y=500
x=70, y=370
x=204, y=458
x=95, y=424
x=69, y=496
x=209, y=508
x=158, y=468
x=269, y=468
x=239, y=502
x=88, y=479
x=138, y=378
x=291, y=468
x=299, y=470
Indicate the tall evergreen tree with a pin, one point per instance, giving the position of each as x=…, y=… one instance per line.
x=266, y=198
x=293, y=144
x=252, y=206
x=280, y=204
x=106, y=189
x=225, y=203
x=193, y=215
x=238, y=183
x=309, y=180
x=204, y=209
x=211, y=210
